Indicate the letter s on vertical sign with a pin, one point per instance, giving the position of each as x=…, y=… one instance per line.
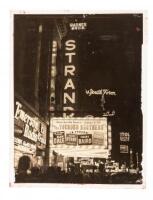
x=70, y=45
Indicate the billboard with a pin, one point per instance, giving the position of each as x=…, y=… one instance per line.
x=28, y=125
x=79, y=131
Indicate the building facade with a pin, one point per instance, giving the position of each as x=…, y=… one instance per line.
x=82, y=69
x=31, y=88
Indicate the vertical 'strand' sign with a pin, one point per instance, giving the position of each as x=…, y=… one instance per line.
x=69, y=96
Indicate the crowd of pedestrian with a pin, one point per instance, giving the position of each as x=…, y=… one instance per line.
x=33, y=174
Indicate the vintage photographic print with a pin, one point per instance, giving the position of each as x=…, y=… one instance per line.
x=77, y=98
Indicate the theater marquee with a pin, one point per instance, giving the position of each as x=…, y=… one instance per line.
x=80, y=131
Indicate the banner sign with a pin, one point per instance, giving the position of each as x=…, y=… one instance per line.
x=98, y=138
x=124, y=149
x=85, y=139
x=24, y=146
x=124, y=136
x=33, y=128
x=58, y=137
x=71, y=139
x=76, y=26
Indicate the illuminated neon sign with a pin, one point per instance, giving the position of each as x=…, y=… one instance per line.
x=69, y=97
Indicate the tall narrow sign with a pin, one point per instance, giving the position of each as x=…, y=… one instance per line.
x=69, y=90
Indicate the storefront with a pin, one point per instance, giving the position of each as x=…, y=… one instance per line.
x=29, y=135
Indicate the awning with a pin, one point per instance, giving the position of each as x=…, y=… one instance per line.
x=92, y=153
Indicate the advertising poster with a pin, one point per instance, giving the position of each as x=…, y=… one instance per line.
x=85, y=139
x=58, y=138
x=71, y=139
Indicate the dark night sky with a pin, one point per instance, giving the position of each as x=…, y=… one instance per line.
x=109, y=57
